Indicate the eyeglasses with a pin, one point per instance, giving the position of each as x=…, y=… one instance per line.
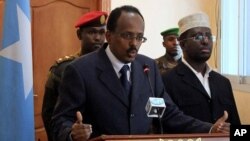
x=200, y=37
x=130, y=36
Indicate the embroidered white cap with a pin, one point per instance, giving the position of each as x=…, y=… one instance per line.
x=194, y=20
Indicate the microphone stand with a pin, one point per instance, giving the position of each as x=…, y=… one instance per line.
x=160, y=122
x=146, y=71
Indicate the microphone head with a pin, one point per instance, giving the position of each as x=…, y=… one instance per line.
x=155, y=107
x=146, y=68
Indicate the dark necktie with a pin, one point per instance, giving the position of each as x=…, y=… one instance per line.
x=124, y=79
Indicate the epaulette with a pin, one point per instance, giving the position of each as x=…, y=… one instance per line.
x=60, y=64
x=65, y=59
x=62, y=60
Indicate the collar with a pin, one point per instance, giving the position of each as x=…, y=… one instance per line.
x=117, y=64
x=208, y=69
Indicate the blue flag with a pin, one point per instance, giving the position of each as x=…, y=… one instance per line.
x=16, y=81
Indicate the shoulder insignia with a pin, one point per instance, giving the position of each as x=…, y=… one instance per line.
x=62, y=60
x=65, y=59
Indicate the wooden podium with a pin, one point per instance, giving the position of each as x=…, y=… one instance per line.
x=164, y=137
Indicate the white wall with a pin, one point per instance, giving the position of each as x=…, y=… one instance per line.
x=159, y=15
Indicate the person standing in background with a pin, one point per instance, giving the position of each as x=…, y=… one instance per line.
x=173, y=52
x=91, y=32
x=194, y=87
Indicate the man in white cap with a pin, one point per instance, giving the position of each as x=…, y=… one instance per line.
x=197, y=89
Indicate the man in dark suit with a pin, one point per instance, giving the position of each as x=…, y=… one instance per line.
x=198, y=90
x=93, y=100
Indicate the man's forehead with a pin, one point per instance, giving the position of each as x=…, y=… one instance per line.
x=198, y=30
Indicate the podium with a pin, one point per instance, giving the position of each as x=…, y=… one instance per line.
x=165, y=137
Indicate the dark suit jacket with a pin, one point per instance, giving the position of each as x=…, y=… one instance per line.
x=91, y=85
x=188, y=93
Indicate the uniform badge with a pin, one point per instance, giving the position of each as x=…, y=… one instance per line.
x=102, y=19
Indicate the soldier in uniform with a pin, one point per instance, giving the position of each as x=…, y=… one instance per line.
x=173, y=51
x=91, y=32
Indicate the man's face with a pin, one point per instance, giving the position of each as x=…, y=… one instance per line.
x=171, y=44
x=198, y=44
x=127, y=38
x=91, y=38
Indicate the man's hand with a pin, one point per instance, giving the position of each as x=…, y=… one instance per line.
x=80, y=131
x=221, y=126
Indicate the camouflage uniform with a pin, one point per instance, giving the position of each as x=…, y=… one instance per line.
x=51, y=90
x=164, y=64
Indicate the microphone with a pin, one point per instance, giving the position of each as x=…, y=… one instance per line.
x=155, y=106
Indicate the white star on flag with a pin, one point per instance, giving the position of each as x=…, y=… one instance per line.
x=20, y=51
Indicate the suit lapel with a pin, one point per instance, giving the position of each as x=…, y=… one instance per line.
x=109, y=78
x=191, y=79
x=213, y=84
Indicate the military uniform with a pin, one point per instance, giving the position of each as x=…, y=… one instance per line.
x=51, y=89
x=164, y=64
x=90, y=19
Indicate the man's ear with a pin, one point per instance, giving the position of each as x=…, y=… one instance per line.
x=108, y=34
x=163, y=44
x=182, y=45
x=78, y=33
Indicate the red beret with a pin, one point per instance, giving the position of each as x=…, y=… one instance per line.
x=94, y=18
